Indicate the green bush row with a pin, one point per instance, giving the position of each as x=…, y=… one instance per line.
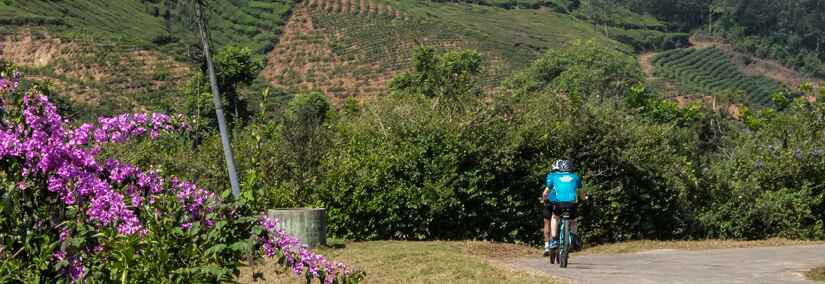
x=711, y=70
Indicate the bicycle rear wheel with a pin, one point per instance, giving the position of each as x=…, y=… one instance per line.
x=564, y=243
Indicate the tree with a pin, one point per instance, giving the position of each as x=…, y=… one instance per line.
x=581, y=69
x=236, y=66
x=448, y=74
x=304, y=140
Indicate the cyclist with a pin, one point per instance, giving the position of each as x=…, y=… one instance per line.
x=561, y=188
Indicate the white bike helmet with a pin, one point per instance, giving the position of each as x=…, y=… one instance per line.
x=563, y=165
x=556, y=165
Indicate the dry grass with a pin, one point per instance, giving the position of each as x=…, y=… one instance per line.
x=639, y=246
x=816, y=274
x=421, y=262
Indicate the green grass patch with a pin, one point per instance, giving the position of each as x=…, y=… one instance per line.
x=420, y=262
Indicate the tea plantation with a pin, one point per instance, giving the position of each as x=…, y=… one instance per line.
x=711, y=71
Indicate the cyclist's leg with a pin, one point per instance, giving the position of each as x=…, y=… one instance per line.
x=573, y=216
x=574, y=227
x=546, y=230
x=547, y=214
x=554, y=226
x=554, y=223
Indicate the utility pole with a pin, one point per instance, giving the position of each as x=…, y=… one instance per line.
x=216, y=97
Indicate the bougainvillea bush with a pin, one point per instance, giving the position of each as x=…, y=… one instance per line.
x=69, y=216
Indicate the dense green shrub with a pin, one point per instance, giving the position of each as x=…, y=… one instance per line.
x=582, y=69
x=406, y=170
x=449, y=74
x=770, y=182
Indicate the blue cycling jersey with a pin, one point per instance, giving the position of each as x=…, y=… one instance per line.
x=563, y=186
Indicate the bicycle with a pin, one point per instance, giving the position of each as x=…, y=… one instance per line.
x=562, y=252
x=565, y=240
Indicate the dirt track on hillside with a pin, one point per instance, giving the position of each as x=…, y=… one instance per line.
x=741, y=265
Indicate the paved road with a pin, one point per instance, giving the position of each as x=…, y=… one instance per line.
x=743, y=265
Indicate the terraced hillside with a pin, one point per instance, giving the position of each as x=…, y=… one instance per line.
x=353, y=47
x=167, y=23
x=709, y=70
x=341, y=47
x=98, y=77
x=130, y=55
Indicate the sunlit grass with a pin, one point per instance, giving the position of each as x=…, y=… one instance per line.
x=420, y=262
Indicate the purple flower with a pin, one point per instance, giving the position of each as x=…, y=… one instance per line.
x=65, y=234
x=297, y=255
x=269, y=223
x=59, y=256
x=76, y=270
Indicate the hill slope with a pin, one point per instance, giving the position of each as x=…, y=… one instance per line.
x=341, y=47
x=712, y=66
x=118, y=56
x=353, y=47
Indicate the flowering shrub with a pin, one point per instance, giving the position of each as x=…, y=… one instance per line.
x=66, y=216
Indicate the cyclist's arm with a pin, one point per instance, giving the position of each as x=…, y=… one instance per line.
x=544, y=195
x=548, y=183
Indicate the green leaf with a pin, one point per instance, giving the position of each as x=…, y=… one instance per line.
x=241, y=246
x=216, y=249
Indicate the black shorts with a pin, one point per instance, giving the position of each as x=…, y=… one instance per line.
x=551, y=209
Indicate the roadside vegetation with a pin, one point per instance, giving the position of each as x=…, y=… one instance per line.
x=425, y=163
x=817, y=274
